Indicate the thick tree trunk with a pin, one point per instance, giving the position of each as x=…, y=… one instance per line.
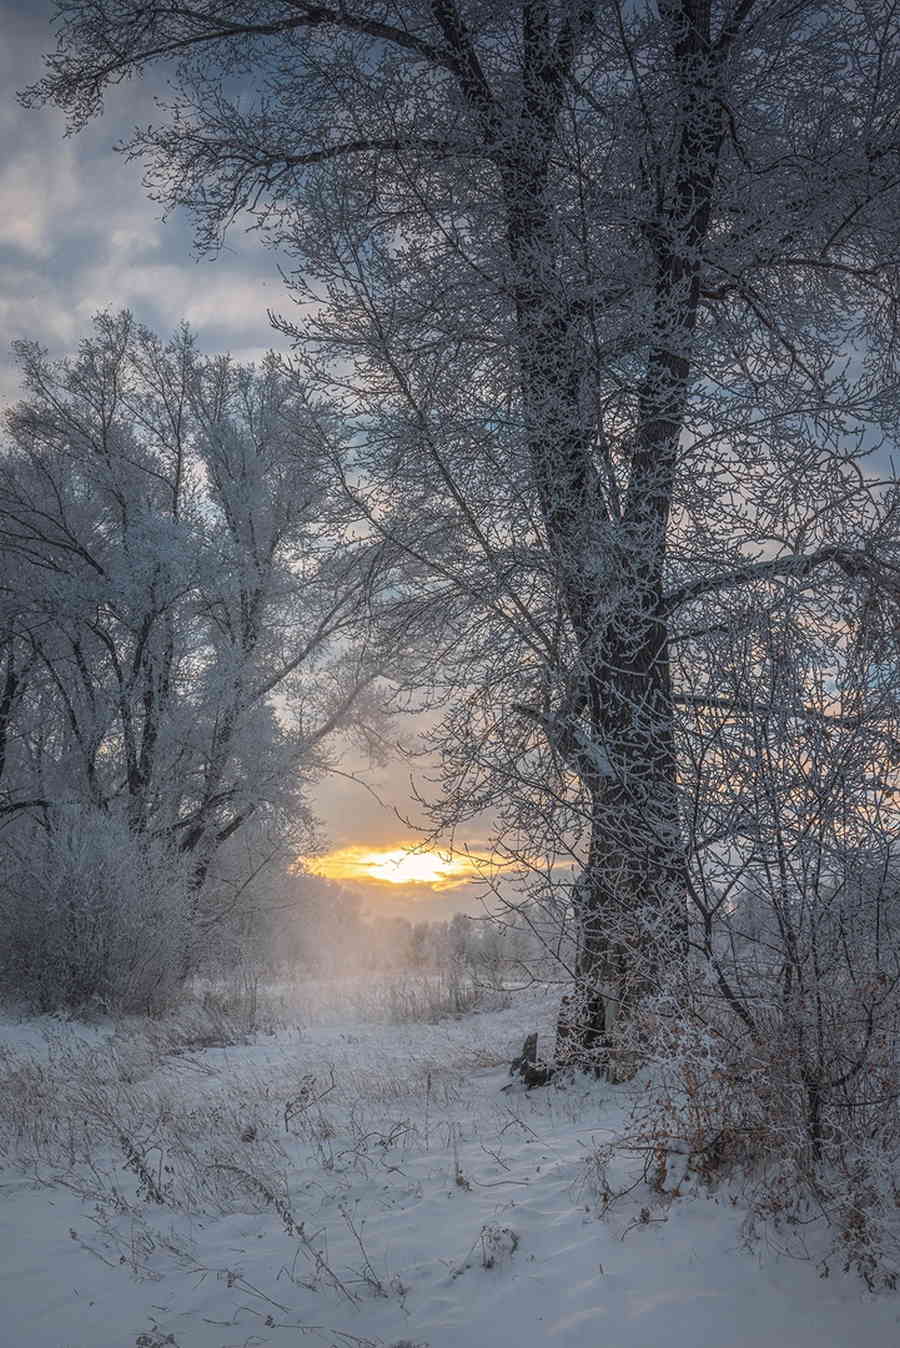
x=609, y=548
x=630, y=918
x=620, y=739
x=630, y=902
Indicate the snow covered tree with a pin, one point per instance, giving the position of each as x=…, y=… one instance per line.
x=174, y=561
x=609, y=294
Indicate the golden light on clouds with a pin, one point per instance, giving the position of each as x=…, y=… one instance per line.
x=400, y=865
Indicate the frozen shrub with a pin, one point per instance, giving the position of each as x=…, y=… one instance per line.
x=799, y=1106
x=94, y=917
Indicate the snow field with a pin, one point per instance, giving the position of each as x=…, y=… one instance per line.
x=353, y=1183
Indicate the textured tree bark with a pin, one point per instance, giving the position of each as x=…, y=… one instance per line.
x=610, y=561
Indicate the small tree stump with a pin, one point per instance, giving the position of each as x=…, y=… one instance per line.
x=527, y=1066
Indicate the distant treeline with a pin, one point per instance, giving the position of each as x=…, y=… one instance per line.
x=321, y=927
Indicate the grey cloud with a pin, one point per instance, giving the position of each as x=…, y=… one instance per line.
x=77, y=232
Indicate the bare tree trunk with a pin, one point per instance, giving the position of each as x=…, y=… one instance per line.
x=631, y=898
x=610, y=554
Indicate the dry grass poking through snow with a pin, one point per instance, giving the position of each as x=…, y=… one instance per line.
x=203, y=1121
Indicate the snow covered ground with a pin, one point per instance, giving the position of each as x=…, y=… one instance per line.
x=352, y=1183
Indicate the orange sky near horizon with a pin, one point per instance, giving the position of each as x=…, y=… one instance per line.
x=403, y=863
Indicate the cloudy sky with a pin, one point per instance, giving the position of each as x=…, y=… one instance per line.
x=77, y=234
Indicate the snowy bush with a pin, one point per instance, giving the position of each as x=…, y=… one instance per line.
x=790, y=1086
x=94, y=918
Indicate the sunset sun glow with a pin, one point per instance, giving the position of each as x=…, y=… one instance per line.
x=399, y=866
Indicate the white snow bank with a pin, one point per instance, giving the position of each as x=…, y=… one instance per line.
x=413, y=1202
